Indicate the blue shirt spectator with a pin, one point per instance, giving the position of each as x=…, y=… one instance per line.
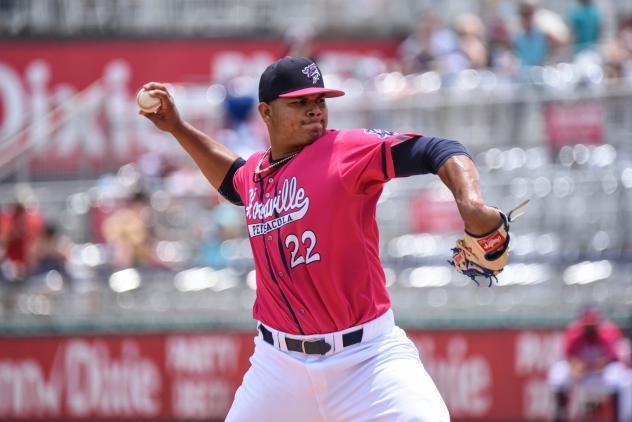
x=532, y=45
x=532, y=48
x=585, y=21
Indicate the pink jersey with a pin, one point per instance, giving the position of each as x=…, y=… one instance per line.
x=604, y=346
x=314, y=235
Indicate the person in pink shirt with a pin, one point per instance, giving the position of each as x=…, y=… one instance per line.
x=591, y=351
x=327, y=347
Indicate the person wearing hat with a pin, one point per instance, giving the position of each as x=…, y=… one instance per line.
x=327, y=347
x=592, y=360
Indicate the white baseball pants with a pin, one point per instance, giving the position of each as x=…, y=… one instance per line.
x=380, y=379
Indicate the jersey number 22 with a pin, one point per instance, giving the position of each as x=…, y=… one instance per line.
x=308, y=239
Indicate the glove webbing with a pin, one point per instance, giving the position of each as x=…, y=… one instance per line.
x=473, y=272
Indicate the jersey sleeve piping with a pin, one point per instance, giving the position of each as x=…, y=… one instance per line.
x=227, y=188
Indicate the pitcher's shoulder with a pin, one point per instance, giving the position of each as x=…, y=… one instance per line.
x=254, y=157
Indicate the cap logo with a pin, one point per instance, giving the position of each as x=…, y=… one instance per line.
x=312, y=72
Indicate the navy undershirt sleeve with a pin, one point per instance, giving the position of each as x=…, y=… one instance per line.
x=227, y=190
x=422, y=155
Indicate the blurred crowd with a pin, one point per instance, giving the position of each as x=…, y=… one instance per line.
x=535, y=36
x=509, y=45
x=512, y=47
x=120, y=219
x=148, y=217
x=532, y=47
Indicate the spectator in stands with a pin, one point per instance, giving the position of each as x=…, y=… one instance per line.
x=226, y=224
x=299, y=41
x=531, y=46
x=629, y=337
x=591, y=350
x=128, y=232
x=471, y=33
x=432, y=47
x=50, y=252
x=19, y=229
x=500, y=54
x=242, y=131
x=3, y=277
x=625, y=40
x=586, y=23
x=617, y=53
x=154, y=166
x=415, y=52
x=625, y=33
x=557, y=32
x=240, y=101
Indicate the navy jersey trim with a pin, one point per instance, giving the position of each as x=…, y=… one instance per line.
x=271, y=270
x=227, y=189
x=384, y=161
x=285, y=299
x=422, y=155
x=280, y=242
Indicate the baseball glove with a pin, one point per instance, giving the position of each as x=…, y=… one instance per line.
x=486, y=255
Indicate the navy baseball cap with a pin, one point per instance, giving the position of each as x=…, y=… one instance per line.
x=293, y=77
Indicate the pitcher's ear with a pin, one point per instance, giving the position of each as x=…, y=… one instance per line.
x=265, y=110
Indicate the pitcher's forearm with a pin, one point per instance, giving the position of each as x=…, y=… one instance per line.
x=460, y=175
x=213, y=158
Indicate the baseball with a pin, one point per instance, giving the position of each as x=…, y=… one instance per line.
x=146, y=102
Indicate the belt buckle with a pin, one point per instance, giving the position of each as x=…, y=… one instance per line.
x=312, y=340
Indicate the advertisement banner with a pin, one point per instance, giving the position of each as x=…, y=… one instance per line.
x=181, y=377
x=71, y=103
x=482, y=375
x=575, y=123
x=492, y=375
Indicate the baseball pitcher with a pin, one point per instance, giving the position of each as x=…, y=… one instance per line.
x=327, y=348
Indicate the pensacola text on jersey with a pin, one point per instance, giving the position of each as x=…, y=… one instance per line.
x=289, y=198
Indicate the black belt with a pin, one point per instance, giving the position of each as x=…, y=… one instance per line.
x=313, y=346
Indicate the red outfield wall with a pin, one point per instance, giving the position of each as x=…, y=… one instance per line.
x=483, y=375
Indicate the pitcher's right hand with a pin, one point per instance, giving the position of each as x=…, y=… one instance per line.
x=167, y=117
